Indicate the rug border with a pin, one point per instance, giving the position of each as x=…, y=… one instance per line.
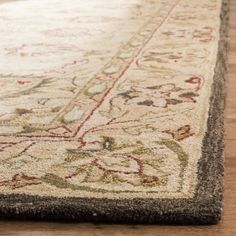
x=204, y=208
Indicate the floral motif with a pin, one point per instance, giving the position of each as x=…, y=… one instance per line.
x=20, y=180
x=113, y=163
x=158, y=96
x=204, y=34
x=181, y=133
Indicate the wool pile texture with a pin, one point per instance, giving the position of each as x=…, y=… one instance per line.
x=112, y=111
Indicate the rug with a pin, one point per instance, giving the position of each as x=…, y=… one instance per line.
x=112, y=111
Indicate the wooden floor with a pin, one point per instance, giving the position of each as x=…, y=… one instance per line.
x=227, y=227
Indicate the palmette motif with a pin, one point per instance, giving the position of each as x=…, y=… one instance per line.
x=107, y=103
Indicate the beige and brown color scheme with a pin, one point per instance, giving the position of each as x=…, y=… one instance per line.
x=112, y=110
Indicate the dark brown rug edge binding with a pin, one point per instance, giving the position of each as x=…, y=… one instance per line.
x=204, y=208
